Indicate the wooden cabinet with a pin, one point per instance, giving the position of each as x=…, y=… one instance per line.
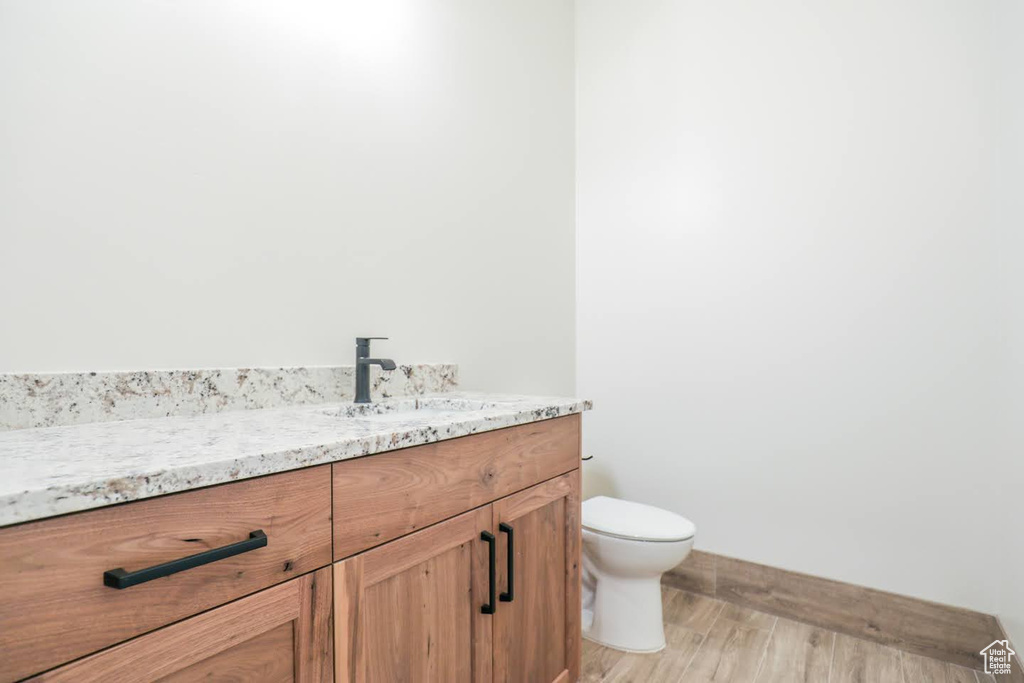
x=440, y=605
x=388, y=495
x=537, y=632
x=278, y=635
x=458, y=562
x=410, y=610
x=55, y=606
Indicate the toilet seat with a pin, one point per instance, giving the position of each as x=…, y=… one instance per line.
x=635, y=521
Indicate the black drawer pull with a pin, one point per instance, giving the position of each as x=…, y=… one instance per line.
x=488, y=608
x=119, y=578
x=510, y=595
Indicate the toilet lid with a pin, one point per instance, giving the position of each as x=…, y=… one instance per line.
x=627, y=519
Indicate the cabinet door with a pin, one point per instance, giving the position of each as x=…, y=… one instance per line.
x=537, y=623
x=410, y=611
x=281, y=634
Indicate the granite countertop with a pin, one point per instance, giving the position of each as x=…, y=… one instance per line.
x=57, y=470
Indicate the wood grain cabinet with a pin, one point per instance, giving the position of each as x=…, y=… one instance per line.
x=490, y=595
x=55, y=606
x=388, y=495
x=454, y=562
x=537, y=623
x=411, y=610
x=279, y=635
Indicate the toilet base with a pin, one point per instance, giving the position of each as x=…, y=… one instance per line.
x=627, y=614
x=586, y=636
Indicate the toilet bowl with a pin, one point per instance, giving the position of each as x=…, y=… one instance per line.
x=626, y=548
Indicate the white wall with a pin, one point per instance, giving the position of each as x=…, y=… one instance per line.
x=1010, y=21
x=788, y=301
x=251, y=182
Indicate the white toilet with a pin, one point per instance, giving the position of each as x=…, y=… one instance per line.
x=626, y=548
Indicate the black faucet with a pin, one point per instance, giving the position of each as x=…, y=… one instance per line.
x=363, y=363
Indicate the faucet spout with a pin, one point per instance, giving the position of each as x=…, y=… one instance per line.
x=384, y=363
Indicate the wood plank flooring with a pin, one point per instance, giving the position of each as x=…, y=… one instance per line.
x=714, y=641
x=925, y=628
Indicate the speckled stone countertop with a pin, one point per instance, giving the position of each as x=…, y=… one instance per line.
x=70, y=398
x=56, y=470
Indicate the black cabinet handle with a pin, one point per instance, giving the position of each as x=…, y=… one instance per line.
x=507, y=529
x=488, y=608
x=119, y=578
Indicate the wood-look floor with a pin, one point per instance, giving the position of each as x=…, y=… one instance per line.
x=710, y=640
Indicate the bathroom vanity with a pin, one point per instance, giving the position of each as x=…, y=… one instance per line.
x=408, y=542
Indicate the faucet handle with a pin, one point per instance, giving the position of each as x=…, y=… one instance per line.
x=365, y=341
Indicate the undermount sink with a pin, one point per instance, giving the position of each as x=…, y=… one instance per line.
x=409, y=407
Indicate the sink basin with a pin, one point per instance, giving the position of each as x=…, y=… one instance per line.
x=409, y=407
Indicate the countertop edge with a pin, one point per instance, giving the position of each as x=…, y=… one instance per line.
x=39, y=504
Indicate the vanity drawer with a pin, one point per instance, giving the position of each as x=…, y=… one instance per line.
x=54, y=605
x=384, y=496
